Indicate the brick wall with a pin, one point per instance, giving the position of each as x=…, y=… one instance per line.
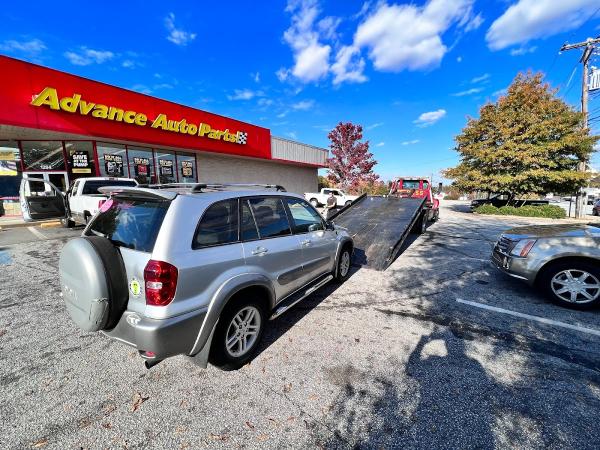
x=219, y=169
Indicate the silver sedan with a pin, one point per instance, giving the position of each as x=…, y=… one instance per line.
x=562, y=260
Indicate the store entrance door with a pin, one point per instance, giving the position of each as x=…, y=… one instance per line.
x=58, y=179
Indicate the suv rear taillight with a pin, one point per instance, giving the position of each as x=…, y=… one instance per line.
x=160, y=280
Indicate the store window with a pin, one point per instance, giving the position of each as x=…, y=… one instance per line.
x=80, y=157
x=165, y=166
x=187, y=168
x=10, y=169
x=141, y=164
x=43, y=155
x=112, y=159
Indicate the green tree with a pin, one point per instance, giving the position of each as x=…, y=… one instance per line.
x=528, y=142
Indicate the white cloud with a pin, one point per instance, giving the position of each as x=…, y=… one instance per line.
x=499, y=92
x=328, y=27
x=467, y=92
x=244, y=94
x=414, y=141
x=410, y=37
x=523, y=50
x=480, y=79
x=292, y=134
x=177, y=35
x=459, y=59
x=312, y=62
x=282, y=74
x=474, y=23
x=264, y=102
x=142, y=88
x=256, y=77
x=163, y=86
x=363, y=10
x=87, y=56
x=303, y=105
x=310, y=55
x=429, y=118
x=374, y=125
x=381, y=144
x=30, y=48
x=349, y=66
x=532, y=19
x=128, y=64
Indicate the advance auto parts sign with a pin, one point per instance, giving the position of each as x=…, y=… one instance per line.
x=76, y=105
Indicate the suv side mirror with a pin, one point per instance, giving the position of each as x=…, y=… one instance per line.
x=329, y=225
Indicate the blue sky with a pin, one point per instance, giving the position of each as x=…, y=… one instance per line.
x=410, y=73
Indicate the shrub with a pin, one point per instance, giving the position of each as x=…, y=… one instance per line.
x=547, y=211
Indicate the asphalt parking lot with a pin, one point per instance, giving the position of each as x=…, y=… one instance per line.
x=402, y=358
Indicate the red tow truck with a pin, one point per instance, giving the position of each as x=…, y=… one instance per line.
x=418, y=187
x=379, y=224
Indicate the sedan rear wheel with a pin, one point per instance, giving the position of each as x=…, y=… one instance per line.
x=573, y=284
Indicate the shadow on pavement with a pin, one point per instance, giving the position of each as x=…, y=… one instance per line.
x=473, y=380
x=280, y=326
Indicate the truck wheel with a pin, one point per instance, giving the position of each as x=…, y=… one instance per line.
x=343, y=266
x=573, y=284
x=348, y=203
x=420, y=225
x=238, y=334
x=314, y=202
x=436, y=215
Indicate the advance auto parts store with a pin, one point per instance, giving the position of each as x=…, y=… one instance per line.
x=60, y=127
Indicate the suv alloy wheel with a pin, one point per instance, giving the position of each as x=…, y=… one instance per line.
x=343, y=267
x=238, y=334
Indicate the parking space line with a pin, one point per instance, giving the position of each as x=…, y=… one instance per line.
x=530, y=317
x=37, y=233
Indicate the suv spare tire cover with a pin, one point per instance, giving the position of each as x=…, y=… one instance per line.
x=93, y=282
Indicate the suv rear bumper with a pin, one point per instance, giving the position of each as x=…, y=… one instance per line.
x=163, y=337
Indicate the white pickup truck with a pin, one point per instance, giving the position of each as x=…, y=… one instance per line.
x=41, y=199
x=320, y=198
x=84, y=199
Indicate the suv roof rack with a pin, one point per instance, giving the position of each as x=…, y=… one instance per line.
x=200, y=187
x=168, y=185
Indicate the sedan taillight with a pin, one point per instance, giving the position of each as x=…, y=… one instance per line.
x=160, y=280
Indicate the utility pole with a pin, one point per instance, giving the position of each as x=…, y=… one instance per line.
x=588, y=45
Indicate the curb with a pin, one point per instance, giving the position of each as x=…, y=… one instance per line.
x=46, y=224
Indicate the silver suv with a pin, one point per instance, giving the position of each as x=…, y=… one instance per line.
x=198, y=271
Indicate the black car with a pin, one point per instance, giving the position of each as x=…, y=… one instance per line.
x=499, y=200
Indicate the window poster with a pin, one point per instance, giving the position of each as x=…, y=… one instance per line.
x=166, y=167
x=141, y=167
x=187, y=169
x=80, y=162
x=113, y=164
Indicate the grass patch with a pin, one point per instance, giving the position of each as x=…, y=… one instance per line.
x=546, y=211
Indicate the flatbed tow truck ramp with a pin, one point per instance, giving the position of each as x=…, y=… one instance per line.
x=379, y=226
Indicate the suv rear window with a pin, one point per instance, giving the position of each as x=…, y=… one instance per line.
x=219, y=225
x=130, y=223
x=91, y=187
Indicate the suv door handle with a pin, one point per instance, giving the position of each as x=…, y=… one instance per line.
x=306, y=243
x=259, y=251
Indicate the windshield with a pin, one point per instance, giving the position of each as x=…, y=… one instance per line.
x=410, y=184
x=91, y=187
x=130, y=223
